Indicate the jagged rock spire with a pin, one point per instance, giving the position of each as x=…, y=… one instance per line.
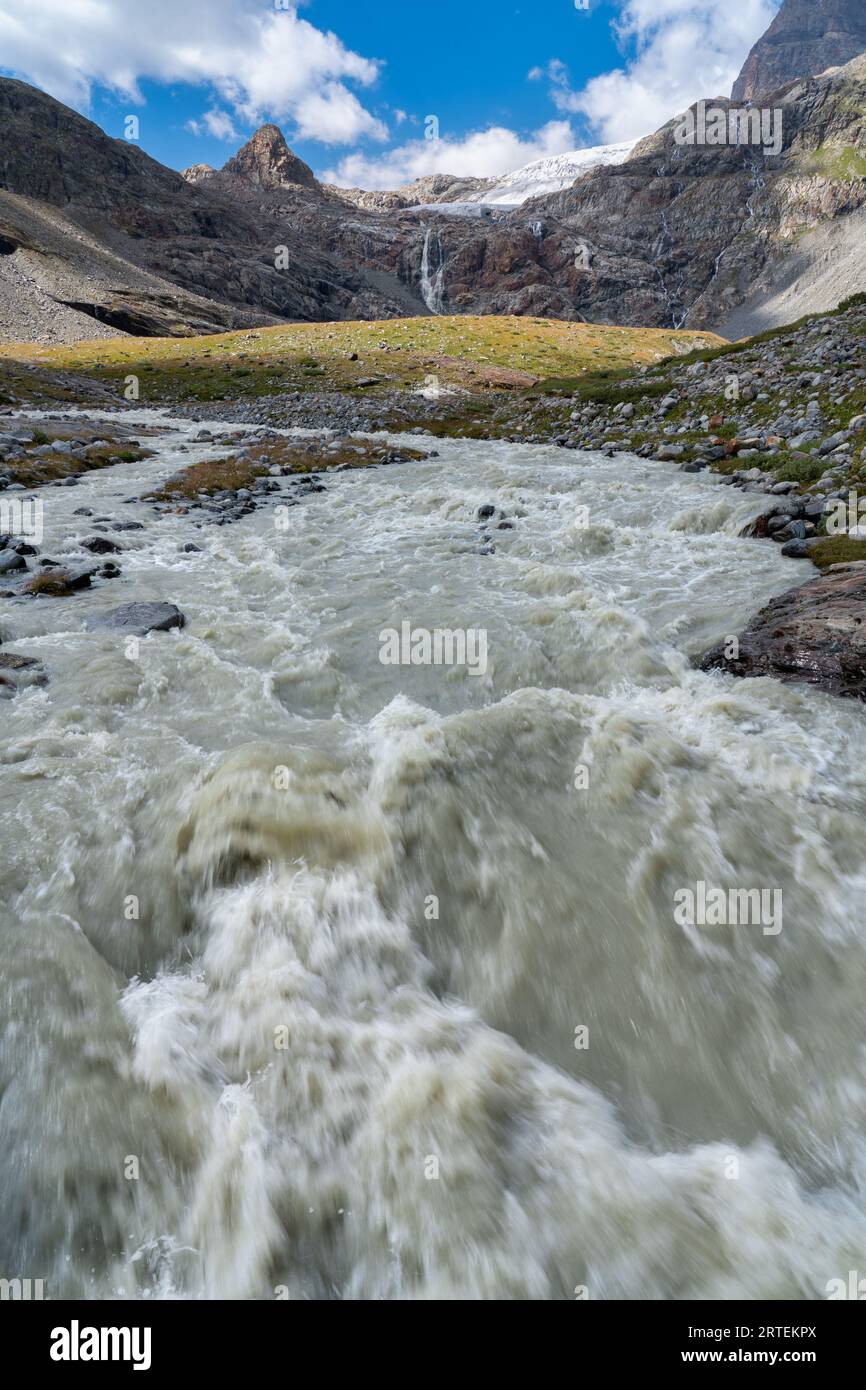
x=266, y=160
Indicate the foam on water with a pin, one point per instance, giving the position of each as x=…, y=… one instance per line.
x=326, y=1088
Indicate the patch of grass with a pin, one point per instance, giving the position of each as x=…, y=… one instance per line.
x=797, y=470
x=835, y=162
x=228, y=475
x=209, y=476
x=469, y=422
x=33, y=472
x=836, y=550
x=605, y=388
x=476, y=353
x=51, y=584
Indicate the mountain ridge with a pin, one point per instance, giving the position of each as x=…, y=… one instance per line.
x=674, y=235
x=805, y=38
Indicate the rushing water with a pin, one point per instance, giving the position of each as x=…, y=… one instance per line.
x=433, y=277
x=289, y=1073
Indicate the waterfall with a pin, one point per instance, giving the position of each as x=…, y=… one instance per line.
x=433, y=287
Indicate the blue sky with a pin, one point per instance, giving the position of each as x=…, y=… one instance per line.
x=352, y=82
x=480, y=81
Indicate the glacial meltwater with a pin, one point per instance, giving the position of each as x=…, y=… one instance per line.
x=330, y=977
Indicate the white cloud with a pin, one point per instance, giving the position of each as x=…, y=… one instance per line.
x=683, y=51
x=219, y=124
x=261, y=62
x=483, y=154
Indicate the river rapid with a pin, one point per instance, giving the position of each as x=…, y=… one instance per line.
x=330, y=978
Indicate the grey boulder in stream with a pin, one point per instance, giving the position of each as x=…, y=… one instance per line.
x=139, y=618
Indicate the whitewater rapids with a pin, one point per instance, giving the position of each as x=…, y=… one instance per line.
x=334, y=1054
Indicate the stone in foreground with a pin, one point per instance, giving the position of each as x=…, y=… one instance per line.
x=138, y=619
x=815, y=634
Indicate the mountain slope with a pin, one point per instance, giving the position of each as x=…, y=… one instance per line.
x=195, y=255
x=805, y=38
x=683, y=234
x=675, y=235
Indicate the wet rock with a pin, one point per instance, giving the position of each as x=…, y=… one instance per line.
x=815, y=634
x=486, y=512
x=57, y=583
x=101, y=545
x=759, y=529
x=11, y=562
x=138, y=618
x=799, y=549
x=11, y=661
x=20, y=672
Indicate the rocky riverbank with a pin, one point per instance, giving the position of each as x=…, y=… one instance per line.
x=815, y=634
x=782, y=416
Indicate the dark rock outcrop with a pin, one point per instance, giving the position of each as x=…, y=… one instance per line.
x=137, y=619
x=815, y=634
x=267, y=161
x=20, y=672
x=805, y=38
x=101, y=545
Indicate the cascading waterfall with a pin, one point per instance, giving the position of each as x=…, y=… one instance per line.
x=433, y=286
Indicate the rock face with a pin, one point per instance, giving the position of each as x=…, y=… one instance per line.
x=805, y=38
x=267, y=161
x=95, y=232
x=727, y=237
x=815, y=634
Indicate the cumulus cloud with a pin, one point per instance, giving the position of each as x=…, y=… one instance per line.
x=682, y=51
x=262, y=63
x=483, y=154
x=219, y=124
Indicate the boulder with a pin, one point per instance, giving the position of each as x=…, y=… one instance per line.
x=137, y=619
x=101, y=545
x=815, y=634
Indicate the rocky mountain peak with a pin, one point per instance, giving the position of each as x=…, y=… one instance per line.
x=267, y=161
x=197, y=173
x=805, y=38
